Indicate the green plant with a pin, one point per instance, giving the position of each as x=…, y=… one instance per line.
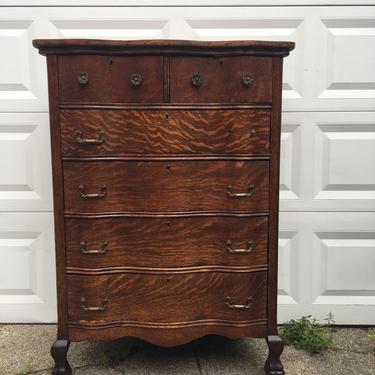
x=103, y=358
x=25, y=370
x=309, y=334
x=371, y=335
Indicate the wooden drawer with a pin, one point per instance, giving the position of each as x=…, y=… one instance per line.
x=193, y=131
x=166, y=242
x=221, y=79
x=110, y=79
x=173, y=186
x=167, y=298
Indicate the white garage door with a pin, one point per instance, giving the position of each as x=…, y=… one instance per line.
x=327, y=229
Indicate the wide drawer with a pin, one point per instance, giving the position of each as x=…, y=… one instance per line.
x=110, y=79
x=235, y=79
x=169, y=297
x=166, y=242
x=146, y=131
x=177, y=186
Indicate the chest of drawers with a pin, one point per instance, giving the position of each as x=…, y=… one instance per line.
x=165, y=172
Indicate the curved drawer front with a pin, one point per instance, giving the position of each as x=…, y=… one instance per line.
x=193, y=131
x=110, y=79
x=166, y=242
x=236, y=79
x=175, y=186
x=167, y=298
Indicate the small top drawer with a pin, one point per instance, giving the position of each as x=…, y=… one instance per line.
x=110, y=79
x=235, y=79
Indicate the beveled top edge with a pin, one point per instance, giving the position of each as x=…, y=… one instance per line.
x=66, y=46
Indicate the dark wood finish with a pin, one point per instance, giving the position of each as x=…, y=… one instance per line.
x=166, y=186
x=168, y=297
x=172, y=336
x=59, y=351
x=277, y=70
x=273, y=364
x=109, y=79
x=163, y=46
x=162, y=267
x=194, y=131
x=58, y=197
x=221, y=79
x=167, y=242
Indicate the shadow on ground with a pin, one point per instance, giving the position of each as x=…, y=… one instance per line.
x=24, y=349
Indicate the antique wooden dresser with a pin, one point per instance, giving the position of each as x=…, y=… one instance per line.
x=165, y=174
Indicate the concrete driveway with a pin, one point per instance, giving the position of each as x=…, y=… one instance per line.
x=24, y=349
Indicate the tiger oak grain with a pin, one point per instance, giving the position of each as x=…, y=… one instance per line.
x=173, y=186
x=169, y=297
x=166, y=132
x=166, y=242
x=181, y=140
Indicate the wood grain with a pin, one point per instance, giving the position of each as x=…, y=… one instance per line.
x=167, y=132
x=166, y=186
x=164, y=336
x=173, y=298
x=230, y=44
x=166, y=242
x=58, y=198
x=277, y=71
x=221, y=79
x=163, y=46
x=171, y=150
x=110, y=79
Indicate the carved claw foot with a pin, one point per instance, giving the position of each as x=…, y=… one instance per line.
x=59, y=353
x=273, y=364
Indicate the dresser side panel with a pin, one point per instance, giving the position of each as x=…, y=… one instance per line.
x=277, y=67
x=58, y=195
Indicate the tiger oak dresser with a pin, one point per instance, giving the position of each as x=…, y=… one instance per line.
x=166, y=175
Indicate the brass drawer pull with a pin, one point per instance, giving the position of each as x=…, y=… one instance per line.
x=248, y=304
x=84, y=195
x=248, y=249
x=102, y=250
x=102, y=307
x=249, y=192
x=247, y=79
x=95, y=141
x=196, y=79
x=83, y=78
x=136, y=79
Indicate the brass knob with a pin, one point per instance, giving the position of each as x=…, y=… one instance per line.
x=196, y=79
x=136, y=79
x=83, y=78
x=247, y=79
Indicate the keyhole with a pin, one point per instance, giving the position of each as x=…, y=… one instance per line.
x=168, y=168
x=110, y=62
x=167, y=116
x=221, y=63
x=169, y=279
x=168, y=224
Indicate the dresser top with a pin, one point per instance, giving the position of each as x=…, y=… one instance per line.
x=163, y=46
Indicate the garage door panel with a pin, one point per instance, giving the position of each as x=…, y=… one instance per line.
x=27, y=268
